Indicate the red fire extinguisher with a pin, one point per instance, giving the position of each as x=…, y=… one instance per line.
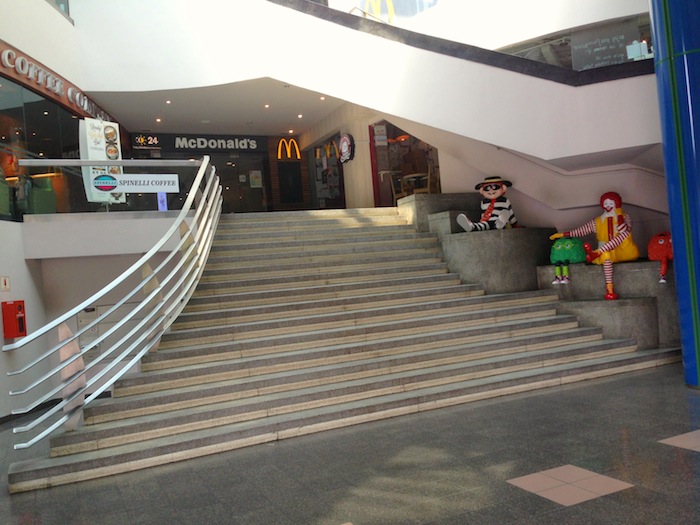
x=13, y=319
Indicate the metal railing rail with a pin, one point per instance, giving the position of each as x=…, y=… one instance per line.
x=167, y=285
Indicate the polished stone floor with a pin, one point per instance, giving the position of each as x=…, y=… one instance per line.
x=621, y=450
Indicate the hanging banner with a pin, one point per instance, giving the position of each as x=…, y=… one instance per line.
x=99, y=140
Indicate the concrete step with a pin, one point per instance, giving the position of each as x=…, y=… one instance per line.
x=412, y=301
x=300, y=215
x=241, y=259
x=326, y=385
x=41, y=473
x=359, y=247
x=421, y=288
x=296, y=268
x=329, y=275
x=311, y=219
x=264, y=294
x=320, y=365
x=234, y=233
x=206, y=363
x=404, y=318
x=250, y=239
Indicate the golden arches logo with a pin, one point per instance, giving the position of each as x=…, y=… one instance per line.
x=374, y=7
x=288, y=144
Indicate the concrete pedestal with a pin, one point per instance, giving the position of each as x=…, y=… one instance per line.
x=503, y=261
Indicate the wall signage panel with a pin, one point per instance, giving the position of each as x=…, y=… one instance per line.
x=347, y=147
x=33, y=75
x=100, y=141
x=603, y=46
x=197, y=143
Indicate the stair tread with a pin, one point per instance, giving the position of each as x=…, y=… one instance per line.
x=329, y=276
x=533, y=357
x=294, y=238
x=379, y=300
x=372, y=316
x=547, y=321
x=585, y=335
x=315, y=288
x=374, y=297
x=275, y=423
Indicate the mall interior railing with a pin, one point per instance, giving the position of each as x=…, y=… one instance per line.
x=131, y=326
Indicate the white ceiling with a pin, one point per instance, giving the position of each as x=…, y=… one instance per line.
x=231, y=109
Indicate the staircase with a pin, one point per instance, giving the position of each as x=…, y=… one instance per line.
x=309, y=321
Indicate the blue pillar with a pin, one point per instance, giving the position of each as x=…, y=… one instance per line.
x=676, y=41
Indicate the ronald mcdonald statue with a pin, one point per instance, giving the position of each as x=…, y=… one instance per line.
x=613, y=229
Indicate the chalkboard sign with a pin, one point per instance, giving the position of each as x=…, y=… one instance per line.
x=602, y=46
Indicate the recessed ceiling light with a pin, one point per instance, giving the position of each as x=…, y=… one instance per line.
x=323, y=98
x=300, y=115
x=291, y=131
x=158, y=120
x=267, y=106
x=167, y=101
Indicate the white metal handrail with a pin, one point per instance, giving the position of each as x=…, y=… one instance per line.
x=167, y=285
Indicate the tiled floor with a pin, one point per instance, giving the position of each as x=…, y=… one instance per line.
x=622, y=450
x=569, y=485
x=689, y=440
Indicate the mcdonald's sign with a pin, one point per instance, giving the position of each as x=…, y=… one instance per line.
x=374, y=7
x=290, y=146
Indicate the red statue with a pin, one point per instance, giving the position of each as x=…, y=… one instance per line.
x=660, y=248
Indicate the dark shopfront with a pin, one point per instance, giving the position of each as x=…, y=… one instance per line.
x=256, y=173
x=241, y=163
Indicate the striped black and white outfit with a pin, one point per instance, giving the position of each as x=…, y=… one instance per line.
x=496, y=214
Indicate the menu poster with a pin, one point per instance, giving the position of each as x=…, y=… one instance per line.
x=99, y=140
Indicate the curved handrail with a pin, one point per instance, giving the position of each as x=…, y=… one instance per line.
x=167, y=286
x=128, y=272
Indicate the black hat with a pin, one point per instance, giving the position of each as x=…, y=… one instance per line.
x=493, y=180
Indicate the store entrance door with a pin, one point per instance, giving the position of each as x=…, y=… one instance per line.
x=243, y=183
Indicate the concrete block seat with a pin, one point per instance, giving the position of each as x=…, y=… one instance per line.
x=503, y=261
x=646, y=311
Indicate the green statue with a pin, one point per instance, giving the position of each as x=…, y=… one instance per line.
x=565, y=251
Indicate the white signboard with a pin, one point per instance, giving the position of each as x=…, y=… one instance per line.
x=137, y=183
x=99, y=140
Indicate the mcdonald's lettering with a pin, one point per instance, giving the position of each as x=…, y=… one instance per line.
x=288, y=144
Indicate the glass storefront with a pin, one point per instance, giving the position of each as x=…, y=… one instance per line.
x=328, y=188
x=241, y=163
x=401, y=164
x=33, y=127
